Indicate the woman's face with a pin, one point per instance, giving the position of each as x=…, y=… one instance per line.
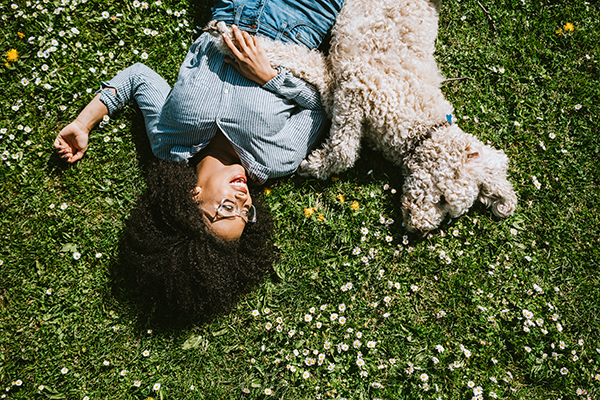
x=218, y=181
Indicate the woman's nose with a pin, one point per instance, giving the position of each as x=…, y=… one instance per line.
x=241, y=195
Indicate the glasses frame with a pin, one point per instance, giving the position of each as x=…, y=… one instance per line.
x=218, y=213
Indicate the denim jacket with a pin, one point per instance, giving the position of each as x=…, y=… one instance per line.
x=291, y=21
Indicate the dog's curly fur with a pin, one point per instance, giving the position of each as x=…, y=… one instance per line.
x=386, y=88
x=178, y=271
x=380, y=81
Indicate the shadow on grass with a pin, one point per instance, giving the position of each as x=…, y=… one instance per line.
x=144, y=154
x=55, y=164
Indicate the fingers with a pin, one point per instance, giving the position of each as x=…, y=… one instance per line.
x=231, y=46
x=76, y=157
x=249, y=40
x=71, y=157
x=70, y=145
x=65, y=152
x=62, y=148
x=59, y=142
x=250, y=60
x=256, y=43
x=242, y=38
x=245, y=45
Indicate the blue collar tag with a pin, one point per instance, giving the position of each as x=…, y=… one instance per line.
x=449, y=118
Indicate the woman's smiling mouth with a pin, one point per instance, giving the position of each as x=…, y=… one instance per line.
x=239, y=183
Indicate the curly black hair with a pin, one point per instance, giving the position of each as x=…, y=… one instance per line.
x=177, y=270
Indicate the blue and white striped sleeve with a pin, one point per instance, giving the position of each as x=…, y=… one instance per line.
x=292, y=143
x=293, y=88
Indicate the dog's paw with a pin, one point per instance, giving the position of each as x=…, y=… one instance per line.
x=307, y=169
x=217, y=28
x=313, y=166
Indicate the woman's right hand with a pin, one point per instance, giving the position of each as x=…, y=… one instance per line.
x=72, y=142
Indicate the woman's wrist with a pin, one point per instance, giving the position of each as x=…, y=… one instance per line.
x=92, y=114
x=82, y=125
x=269, y=75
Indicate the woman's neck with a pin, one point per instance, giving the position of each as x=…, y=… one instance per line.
x=220, y=147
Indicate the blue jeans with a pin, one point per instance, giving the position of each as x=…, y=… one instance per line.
x=291, y=21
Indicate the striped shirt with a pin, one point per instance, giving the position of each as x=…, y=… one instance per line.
x=271, y=127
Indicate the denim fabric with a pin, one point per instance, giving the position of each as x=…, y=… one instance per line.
x=291, y=21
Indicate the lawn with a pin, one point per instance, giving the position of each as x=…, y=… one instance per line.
x=357, y=308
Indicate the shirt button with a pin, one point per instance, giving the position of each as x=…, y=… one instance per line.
x=225, y=91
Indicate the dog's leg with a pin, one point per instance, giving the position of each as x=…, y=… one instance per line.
x=341, y=150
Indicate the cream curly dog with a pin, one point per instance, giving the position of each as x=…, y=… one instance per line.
x=381, y=82
x=387, y=89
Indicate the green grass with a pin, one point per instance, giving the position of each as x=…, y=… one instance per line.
x=526, y=89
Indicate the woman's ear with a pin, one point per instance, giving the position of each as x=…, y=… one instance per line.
x=196, y=192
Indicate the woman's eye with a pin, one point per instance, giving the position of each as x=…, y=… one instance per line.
x=228, y=207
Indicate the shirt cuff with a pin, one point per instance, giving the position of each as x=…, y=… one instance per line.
x=109, y=99
x=275, y=83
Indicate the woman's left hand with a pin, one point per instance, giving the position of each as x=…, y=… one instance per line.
x=250, y=59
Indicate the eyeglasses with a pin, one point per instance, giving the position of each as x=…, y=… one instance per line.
x=228, y=210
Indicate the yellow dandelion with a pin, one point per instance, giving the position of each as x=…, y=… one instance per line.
x=569, y=27
x=335, y=179
x=308, y=212
x=12, y=55
x=340, y=198
x=21, y=35
x=321, y=218
x=559, y=31
x=267, y=191
x=354, y=205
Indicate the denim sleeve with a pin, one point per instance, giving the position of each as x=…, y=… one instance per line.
x=293, y=88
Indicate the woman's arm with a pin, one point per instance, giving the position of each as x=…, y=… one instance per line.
x=72, y=141
x=252, y=62
x=293, y=88
x=250, y=59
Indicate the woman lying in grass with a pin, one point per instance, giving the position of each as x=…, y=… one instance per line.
x=197, y=239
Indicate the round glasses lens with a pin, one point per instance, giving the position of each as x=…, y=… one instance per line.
x=251, y=213
x=228, y=209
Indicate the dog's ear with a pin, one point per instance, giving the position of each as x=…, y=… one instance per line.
x=472, y=156
x=421, y=208
x=500, y=196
